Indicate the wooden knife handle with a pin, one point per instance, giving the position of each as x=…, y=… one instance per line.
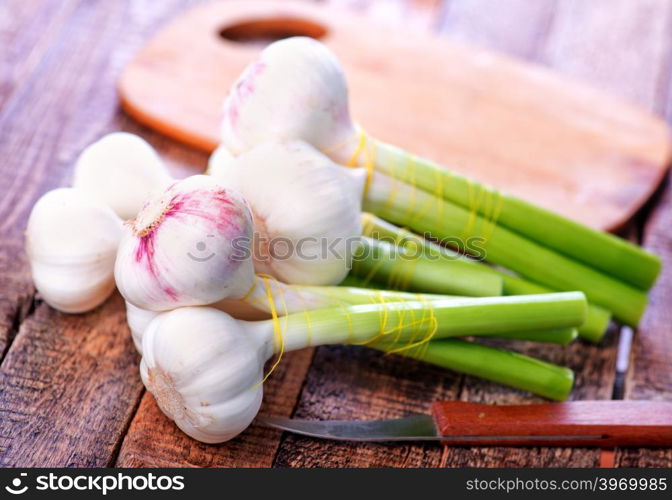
x=610, y=423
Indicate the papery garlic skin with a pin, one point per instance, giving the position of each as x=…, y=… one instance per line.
x=220, y=160
x=71, y=242
x=306, y=209
x=121, y=170
x=295, y=89
x=205, y=371
x=188, y=246
x=138, y=320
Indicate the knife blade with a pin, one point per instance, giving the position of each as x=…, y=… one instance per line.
x=575, y=423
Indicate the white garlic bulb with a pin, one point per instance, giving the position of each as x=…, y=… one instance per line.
x=121, y=170
x=205, y=368
x=138, y=320
x=220, y=159
x=295, y=89
x=71, y=242
x=188, y=246
x=306, y=210
x=205, y=371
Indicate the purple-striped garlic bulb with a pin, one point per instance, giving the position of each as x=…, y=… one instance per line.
x=188, y=246
x=295, y=89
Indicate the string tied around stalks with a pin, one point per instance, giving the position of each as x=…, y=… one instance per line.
x=400, y=328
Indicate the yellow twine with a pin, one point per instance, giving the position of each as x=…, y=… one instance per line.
x=369, y=158
x=348, y=319
x=494, y=215
x=428, y=317
x=370, y=276
x=399, y=242
x=277, y=328
x=306, y=314
x=414, y=212
x=414, y=326
x=249, y=292
x=368, y=224
x=438, y=192
x=406, y=321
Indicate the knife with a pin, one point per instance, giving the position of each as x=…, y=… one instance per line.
x=575, y=423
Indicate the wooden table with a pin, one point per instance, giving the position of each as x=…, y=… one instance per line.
x=70, y=394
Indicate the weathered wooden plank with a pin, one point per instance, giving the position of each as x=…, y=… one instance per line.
x=594, y=370
x=73, y=98
x=370, y=386
x=26, y=30
x=78, y=414
x=18, y=292
x=650, y=376
x=637, y=41
x=69, y=384
x=154, y=441
x=575, y=45
x=17, y=296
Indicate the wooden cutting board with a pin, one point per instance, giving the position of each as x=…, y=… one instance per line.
x=505, y=122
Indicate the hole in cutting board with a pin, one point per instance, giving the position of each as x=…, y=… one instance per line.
x=268, y=30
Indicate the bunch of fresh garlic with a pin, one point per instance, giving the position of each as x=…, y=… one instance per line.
x=191, y=245
x=205, y=368
x=73, y=233
x=296, y=90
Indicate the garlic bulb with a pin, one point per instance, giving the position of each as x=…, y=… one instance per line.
x=205, y=368
x=121, y=170
x=138, y=320
x=71, y=241
x=295, y=89
x=307, y=212
x=187, y=246
x=205, y=371
x=219, y=160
